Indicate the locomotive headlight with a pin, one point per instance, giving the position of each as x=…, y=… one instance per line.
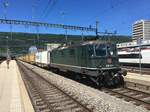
x=109, y=61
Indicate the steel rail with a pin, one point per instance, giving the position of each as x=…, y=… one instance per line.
x=22, y=67
x=129, y=97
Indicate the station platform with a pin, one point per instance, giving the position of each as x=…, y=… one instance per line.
x=138, y=78
x=139, y=81
x=13, y=95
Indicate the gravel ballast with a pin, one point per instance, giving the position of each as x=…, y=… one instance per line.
x=93, y=98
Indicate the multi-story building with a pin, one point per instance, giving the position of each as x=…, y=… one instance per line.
x=141, y=29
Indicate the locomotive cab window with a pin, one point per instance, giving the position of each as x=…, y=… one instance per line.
x=71, y=51
x=111, y=50
x=91, y=50
x=100, y=49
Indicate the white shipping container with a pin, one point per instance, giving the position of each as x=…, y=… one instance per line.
x=52, y=46
x=43, y=57
x=38, y=57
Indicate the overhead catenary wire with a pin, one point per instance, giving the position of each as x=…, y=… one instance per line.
x=122, y=22
x=112, y=6
x=54, y=2
x=134, y=18
x=46, y=8
x=34, y=9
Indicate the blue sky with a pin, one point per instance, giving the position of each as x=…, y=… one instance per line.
x=112, y=14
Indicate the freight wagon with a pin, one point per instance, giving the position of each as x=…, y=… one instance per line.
x=42, y=58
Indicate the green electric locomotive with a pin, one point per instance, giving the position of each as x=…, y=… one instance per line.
x=95, y=60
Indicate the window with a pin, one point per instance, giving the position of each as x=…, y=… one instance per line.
x=132, y=56
x=61, y=52
x=91, y=50
x=100, y=49
x=71, y=52
x=111, y=50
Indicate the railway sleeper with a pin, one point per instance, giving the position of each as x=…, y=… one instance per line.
x=56, y=101
x=67, y=107
x=38, y=103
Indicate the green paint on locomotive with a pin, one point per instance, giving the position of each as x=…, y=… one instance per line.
x=95, y=55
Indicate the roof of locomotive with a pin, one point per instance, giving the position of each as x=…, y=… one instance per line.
x=65, y=46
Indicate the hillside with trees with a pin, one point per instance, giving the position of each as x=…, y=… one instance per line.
x=19, y=43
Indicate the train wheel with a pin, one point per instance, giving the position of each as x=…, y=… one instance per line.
x=78, y=77
x=118, y=80
x=121, y=80
x=107, y=80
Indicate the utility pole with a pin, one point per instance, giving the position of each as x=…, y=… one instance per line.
x=5, y=4
x=11, y=32
x=82, y=36
x=33, y=12
x=66, y=33
x=97, y=24
x=7, y=46
x=140, y=59
x=139, y=41
x=37, y=31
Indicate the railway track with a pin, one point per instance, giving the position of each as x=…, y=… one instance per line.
x=46, y=97
x=137, y=69
x=130, y=95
